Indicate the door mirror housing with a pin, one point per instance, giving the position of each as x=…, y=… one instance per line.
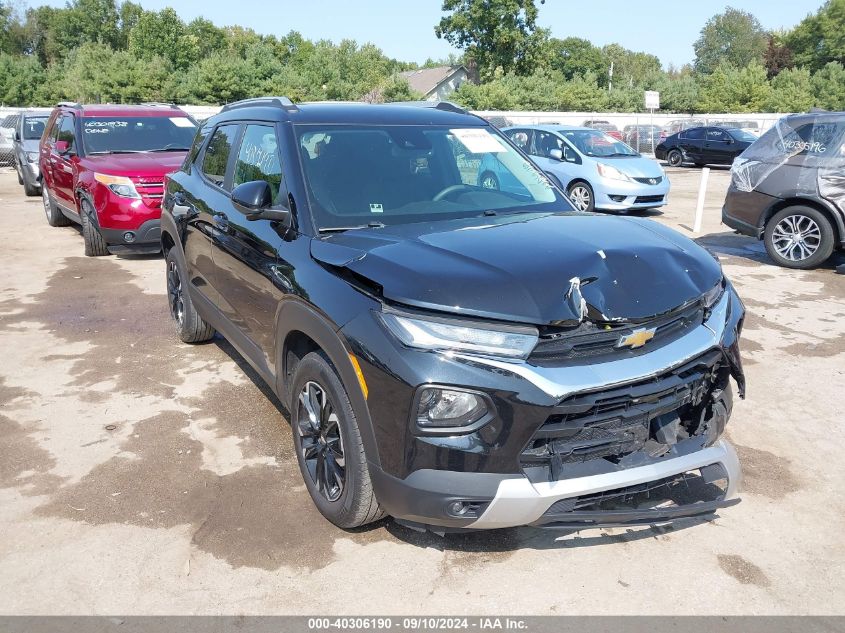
x=556, y=154
x=62, y=148
x=17, y=137
x=255, y=198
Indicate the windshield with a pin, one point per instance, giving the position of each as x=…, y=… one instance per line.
x=399, y=174
x=33, y=127
x=597, y=144
x=742, y=135
x=105, y=135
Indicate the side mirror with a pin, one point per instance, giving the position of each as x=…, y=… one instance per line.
x=62, y=147
x=254, y=198
x=556, y=154
x=17, y=136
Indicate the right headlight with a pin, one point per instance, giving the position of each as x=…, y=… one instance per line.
x=119, y=185
x=433, y=333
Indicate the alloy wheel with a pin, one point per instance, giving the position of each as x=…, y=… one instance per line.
x=675, y=158
x=796, y=237
x=45, y=198
x=320, y=441
x=580, y=197
x=489, y=182
x=174, y=293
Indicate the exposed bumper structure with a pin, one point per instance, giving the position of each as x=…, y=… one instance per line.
x=520, y=502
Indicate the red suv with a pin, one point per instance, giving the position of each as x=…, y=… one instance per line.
x=103, y=166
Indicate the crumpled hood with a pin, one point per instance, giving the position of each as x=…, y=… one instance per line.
x=520, y=267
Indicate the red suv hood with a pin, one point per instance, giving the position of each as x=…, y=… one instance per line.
x=135, y=165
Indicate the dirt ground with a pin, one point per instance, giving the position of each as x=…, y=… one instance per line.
x=139, y=475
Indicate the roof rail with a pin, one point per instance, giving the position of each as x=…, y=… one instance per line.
x=448, y=106
x=274, y=102
x=159, y=103
x=69, y=104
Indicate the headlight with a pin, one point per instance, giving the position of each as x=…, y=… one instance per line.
x=119, y=185
x=32, y=157
x=607, y=171
x=439, y=407
x=449, y=335
x=712, y=296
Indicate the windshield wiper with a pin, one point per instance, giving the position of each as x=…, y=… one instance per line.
x=340, y=229
x=117, y=151
x=169, y=149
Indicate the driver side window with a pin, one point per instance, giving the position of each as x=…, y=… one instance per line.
x=544, y=143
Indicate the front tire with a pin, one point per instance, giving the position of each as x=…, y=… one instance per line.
x=675, y=158
x=190, y=326
x=799, y=237
x=54, y=216
x=581, y=195
x=95, y=245
x=328, y=446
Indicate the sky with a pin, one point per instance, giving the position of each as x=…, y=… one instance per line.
x=404, y=29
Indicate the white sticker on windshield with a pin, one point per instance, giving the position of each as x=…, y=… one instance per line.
x=181, y=121
x=376, y=208
x=478, y=140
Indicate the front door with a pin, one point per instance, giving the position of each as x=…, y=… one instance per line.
x=692, y=143
x=719, y=147
x=62, y=165
x=246, y=258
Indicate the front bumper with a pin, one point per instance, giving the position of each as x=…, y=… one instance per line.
x=618, y=195
x=145, y=239
x=418, y=477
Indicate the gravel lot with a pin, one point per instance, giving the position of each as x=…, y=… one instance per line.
x=140, y=475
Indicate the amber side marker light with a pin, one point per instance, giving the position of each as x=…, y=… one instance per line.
x=360, y=375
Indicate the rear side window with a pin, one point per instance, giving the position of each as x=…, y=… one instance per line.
x=520, y=138
x=714, y=134
x=258, y=158
x=817, y=140
x=694, y=134
x=199, y=139
x=217, y=153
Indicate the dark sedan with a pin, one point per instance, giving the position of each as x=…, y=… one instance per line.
x=704, y=146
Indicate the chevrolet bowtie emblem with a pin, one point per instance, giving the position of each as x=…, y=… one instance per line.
x=637, y=338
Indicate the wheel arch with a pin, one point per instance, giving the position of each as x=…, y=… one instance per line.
x=833, y=216
x=300, y=330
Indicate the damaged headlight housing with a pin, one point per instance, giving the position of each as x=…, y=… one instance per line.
x=712, y=296
x=432, y=333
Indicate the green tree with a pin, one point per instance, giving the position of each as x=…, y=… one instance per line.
x=494, y=33
x=163, y=34
x=731, y=89
x=819, y=38
x=792, y=91
x=734, y=37
x=207, y=36
x=19, y=79
x=573, y=56
x=829, y=86
x=220, y=78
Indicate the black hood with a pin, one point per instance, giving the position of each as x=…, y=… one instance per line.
x=521, y=268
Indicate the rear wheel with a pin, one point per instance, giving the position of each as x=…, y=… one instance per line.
x=329, y=447
x=51, y=210
x=675, y=158
x=95, y=245
x=190, y=326
x=799, y=237
x=581, y=195
x=30, y=188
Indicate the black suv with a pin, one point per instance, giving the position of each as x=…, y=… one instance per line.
x=454, y=356
x=788, y=189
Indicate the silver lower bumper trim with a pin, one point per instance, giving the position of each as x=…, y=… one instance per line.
x=519, y=502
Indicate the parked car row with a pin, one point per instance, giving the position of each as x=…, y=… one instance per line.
x=457, y=346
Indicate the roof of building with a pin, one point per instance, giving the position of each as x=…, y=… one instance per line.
x=425, y=80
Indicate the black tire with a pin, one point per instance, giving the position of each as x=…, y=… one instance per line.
x=699, y=165
x=817, y=237
x=95, y=245
x=488, y=180
x=20, y=174
x=54, y=216
x=337, y=438
x=581, y=195
x=31, y=189
x=190, y=326
x=675, y=158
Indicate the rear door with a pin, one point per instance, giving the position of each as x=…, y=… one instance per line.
x=691, y=141
x=64, y=165
x=203, y=197
x=246, y=254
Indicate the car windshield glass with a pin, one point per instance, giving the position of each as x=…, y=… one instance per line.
x=104, y=135
x=400, y=174
x=742, y=135
x=33, y=127
x=597, y=143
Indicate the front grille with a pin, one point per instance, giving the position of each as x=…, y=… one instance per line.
x=151, y=190
x=589, y=341
x=650, y=181
x=620, y=420
x=645, y=199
